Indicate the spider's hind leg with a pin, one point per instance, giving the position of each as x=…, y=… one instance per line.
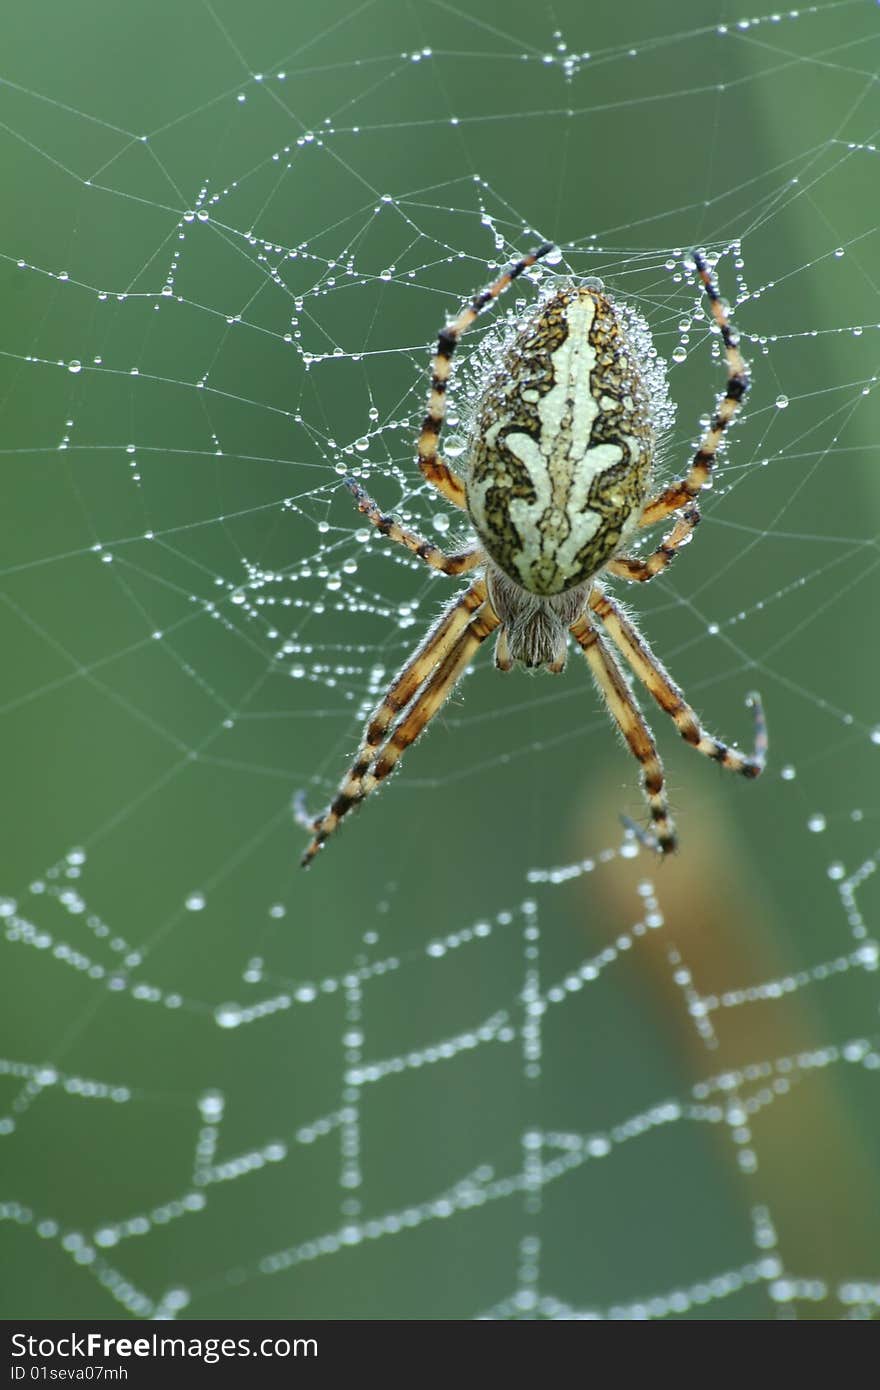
x=685, y=489
x=435, y=469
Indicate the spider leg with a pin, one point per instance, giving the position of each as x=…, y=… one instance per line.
x=651, y=672
x=358, y=782
x=437, y=472
x=685, y=489
x=639, y=571
x=631, y=722
x=436, y=692
x=426, y=550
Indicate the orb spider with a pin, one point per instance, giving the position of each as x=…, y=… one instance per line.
x=558, y=482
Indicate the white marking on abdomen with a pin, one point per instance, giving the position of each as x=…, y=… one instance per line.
x=561, y=466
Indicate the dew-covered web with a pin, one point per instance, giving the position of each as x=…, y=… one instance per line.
x=488, y=1058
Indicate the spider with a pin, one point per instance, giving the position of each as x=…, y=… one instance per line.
x=558, y=483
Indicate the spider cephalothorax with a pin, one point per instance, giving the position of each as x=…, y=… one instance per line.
x=561, y=447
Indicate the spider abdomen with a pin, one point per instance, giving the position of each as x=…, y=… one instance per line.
x=561, y=445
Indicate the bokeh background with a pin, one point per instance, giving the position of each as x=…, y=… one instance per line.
x=485, y=1058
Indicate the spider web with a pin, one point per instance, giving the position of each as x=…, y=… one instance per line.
x=488, y=1058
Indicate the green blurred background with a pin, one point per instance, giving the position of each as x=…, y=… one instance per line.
x=192, y=627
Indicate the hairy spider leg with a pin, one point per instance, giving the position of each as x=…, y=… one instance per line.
x=659, y=684
x=631, y=722
x=435, y=469
x=432, y=555
x=685, y=489
x=638, y=570
x=417, y=672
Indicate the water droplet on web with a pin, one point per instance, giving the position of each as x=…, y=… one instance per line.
x=836, y=870
x=781, y=402
x=194, y=902
x=227, y=1015
x=817, y=823
x=839, y=252
x=788, y=773
x=679, y=354
x=362, y=445
x=553, y=257
x=211, y=1106
x=74, y=366
x=875, y=734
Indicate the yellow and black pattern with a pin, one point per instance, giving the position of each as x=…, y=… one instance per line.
x=565, y=428
x=561, y=447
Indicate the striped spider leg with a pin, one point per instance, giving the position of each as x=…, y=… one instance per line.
x=436, y=470
x=415, y=695
x=660, y=685
x=629, y=719
x=684, y=490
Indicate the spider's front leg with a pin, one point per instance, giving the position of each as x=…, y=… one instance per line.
x=631, y=722
x=660, y=685
x=413, y=698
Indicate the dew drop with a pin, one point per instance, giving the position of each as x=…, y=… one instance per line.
x=454, y=446
x=74, y=366
x=817, y=823
x=679, y=354
x=227, y=1015
x=875, y=734
x=211, y=1106
x=781, y=402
